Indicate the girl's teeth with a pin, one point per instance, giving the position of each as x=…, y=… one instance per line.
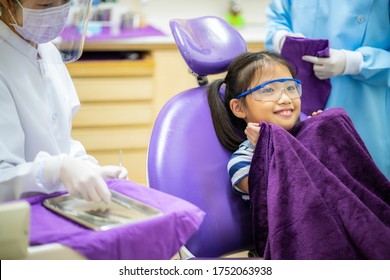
x=285, y=113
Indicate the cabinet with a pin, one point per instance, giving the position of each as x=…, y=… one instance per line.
x=116, y=111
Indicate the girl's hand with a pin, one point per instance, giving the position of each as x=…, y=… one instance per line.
x=252, y=132
x=315, y=113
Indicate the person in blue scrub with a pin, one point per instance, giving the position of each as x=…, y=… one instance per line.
x=359, y=61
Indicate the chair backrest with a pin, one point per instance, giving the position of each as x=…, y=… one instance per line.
x=185, y=157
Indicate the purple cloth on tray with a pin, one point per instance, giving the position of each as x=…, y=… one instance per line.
x=317, y=194
x=157, y=238
x=315, y=92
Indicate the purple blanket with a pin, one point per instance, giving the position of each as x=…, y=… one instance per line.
x=157, y=238
x=315, y=92
x=317, y=194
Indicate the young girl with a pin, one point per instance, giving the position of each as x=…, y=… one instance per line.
x=259, y=86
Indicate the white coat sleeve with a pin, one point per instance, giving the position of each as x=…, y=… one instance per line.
x=17, y=177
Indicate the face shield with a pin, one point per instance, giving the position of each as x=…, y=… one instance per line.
x=70, y=42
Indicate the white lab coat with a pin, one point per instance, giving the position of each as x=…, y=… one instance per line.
x=37, y=103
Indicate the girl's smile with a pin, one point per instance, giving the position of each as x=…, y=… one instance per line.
x=283, y=112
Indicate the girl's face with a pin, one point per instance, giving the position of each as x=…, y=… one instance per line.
x=283, y=112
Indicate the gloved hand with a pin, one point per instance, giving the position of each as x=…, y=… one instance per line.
x=280, y=37
x=82, y=181
x=252, y=132
x=339, y=62
x=112, y=171
x=326, y=67
x=82, y=178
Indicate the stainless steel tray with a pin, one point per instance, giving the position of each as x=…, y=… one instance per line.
x=120, y=211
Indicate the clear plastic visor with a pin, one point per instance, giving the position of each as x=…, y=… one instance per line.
x=70, y=42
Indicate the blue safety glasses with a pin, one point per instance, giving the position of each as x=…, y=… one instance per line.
x=272, y=90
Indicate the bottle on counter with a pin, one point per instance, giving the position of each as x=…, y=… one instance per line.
x=234, y=15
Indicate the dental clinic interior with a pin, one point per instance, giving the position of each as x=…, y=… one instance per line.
x=129, y=67
x=143, y=71
x=124, y=82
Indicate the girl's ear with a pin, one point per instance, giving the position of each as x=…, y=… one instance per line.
x=237, y=108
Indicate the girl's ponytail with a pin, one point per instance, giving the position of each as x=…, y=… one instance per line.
x=227, y=134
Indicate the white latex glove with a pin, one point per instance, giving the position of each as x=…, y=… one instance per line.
x=78, y=176
x=252, y=132
x=280, y=37
x=326, y=67
x=83, y=181
x=112, y=171
x=339, y=62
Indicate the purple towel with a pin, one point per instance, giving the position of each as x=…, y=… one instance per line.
x=317, y=194
x=315, y=91
x=158, y=238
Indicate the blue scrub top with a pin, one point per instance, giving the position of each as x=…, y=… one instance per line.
x=362, y=26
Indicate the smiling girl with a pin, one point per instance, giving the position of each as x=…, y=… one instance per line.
x=259, y=86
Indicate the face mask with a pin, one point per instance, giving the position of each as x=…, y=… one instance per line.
x=42, y=26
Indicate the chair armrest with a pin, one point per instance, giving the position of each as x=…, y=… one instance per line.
x=53, y=251
x=14, y=230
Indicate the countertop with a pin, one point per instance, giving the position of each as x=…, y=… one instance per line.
x=253, y=35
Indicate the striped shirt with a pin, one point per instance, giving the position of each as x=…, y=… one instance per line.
x=239, y=164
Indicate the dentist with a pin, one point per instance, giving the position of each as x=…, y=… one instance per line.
x=37, y=103
x=359, y=61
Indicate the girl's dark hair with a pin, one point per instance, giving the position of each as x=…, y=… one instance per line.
x=241, y=72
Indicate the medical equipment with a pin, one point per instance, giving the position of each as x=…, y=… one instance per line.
x=185, y=158
x=42, y=25
x=52, y=236
x=120, y=157
x=121, y=210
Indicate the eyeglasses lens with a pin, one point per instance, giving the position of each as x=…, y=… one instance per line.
x=273, y=91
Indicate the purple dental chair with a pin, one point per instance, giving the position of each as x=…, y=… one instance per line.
x=185, y=158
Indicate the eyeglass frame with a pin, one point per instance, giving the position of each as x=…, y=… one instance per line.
x=249, y=91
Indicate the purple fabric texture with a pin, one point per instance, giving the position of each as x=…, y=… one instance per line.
x=317, y=194
x=157, y=238
x=315, y=91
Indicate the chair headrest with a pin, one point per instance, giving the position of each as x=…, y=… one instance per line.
x=208, y=44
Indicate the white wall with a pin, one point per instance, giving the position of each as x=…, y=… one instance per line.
x=159, y=12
